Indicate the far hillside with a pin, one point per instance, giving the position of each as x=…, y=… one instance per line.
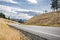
x=46, y=19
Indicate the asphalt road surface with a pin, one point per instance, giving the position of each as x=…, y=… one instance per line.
x=50, y=33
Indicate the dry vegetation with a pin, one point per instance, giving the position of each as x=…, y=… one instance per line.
x=8, y=33
x=47, y=19
x=8, y=21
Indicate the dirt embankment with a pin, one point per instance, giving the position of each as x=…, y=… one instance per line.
x=46, y=19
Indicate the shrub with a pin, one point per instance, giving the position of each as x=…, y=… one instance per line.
x=20, y=21
x=2, y=15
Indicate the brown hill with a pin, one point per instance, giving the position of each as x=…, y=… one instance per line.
x=46, y=19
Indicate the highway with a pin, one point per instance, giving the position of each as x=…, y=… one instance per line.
x=50, y=33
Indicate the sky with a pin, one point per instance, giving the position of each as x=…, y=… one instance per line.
x=23, y=9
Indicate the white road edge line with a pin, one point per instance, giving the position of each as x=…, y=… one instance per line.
x=50, y=34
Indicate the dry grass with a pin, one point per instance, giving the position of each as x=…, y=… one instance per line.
x=8, y=21
x=47, y=19
x=8, y=33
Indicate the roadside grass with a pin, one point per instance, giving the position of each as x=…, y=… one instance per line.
x=7, y=21
x=47, y=25
x=8, y=33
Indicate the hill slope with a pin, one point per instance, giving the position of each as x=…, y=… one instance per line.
x=9, y=33
x=47, y=19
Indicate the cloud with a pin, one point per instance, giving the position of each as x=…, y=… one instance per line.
x=22, y=16
x=12, y=11
x=11, y=7
x=10, y=1
x=33, y=1
x=7, y=8
x=15, y=9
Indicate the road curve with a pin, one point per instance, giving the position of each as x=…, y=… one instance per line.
x=50, y=33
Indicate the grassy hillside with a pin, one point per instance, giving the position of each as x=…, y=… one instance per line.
x=8, y=21
x=8, y=33
x=46, y=19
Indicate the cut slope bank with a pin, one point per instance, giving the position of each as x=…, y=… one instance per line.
x=46, y=19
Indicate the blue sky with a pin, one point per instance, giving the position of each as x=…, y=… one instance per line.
x=16, y=8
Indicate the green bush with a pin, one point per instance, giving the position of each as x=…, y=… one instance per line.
x=2, y=15
x=20, y=21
